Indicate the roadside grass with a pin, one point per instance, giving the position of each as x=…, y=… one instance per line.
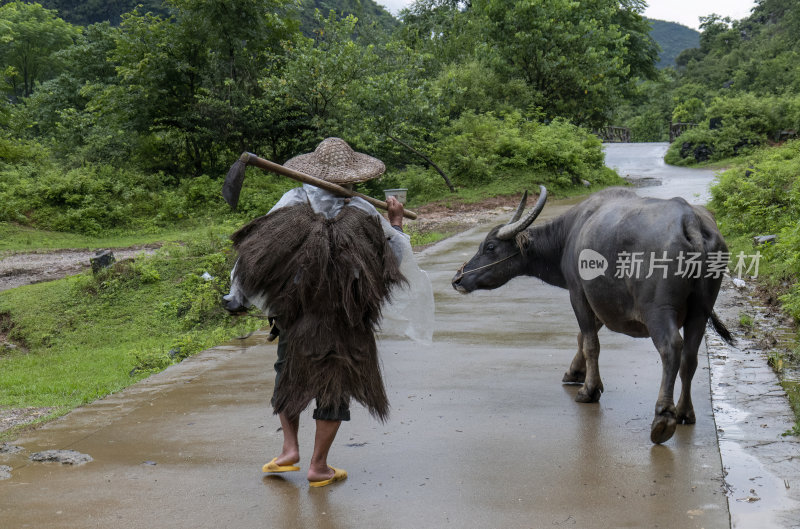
x=17, y=238
x=792, y=388
x=83, y=337
x=513, y=183
x=419, y=238
x=718, y=165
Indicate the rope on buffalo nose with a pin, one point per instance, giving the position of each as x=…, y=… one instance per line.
x=461, y=272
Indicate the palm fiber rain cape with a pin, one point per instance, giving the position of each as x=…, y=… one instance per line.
x=326, y=281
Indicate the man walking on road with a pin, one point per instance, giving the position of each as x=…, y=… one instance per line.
x=323, y=267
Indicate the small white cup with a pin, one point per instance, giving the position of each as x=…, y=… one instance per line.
x=399, y=194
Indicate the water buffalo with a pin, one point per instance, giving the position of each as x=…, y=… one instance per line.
x=644, y=267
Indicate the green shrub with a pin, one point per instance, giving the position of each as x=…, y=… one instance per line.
x=760, y=197
x=741, y=123
x=648, y=126
x=690, y=110
x=478, y=149
x=419, y=181
x=94, y=199
x=702, y=144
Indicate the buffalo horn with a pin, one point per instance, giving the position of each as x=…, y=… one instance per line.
x=515, y=226
x=520, y=208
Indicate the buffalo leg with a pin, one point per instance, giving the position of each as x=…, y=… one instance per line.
x=669, y=343
x=693, y=332
x=576, y=374
x=589, y=346
x=593, y=385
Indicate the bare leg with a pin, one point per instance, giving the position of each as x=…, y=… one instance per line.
x=291, y=446
x=326, y=433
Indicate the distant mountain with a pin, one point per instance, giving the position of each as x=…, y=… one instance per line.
x=673, y=39
x=86, y=12
x=366, y=11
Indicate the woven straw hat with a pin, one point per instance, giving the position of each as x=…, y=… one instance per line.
x=335, y=161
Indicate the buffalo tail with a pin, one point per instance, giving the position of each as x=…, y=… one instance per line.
x=723, y=331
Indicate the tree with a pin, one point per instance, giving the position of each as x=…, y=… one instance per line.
x=641, y=51
x=87, y=12
x=30, y=35
x=86, y=69
x=320, y=75
x=442, y=31
x=189, y=81
x=577, y=58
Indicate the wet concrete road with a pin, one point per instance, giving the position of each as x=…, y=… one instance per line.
x=643, y=163
x=482, y=435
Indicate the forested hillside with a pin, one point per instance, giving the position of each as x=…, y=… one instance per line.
x=157, y=107
x=739, y=85
x=87, y=12
x=162, y=102
x=366, y=11
x=672, y=38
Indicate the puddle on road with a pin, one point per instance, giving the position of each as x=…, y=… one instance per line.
x=755, y=495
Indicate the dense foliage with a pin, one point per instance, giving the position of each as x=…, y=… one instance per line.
x=740, y=123
x=573, y=65
x=87, y=12
x=31, y=37
x=734, y=86
x=155, y=106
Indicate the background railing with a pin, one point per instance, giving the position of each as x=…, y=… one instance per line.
x=614, y=134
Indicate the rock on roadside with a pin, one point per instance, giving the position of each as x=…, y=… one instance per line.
x=65, y=457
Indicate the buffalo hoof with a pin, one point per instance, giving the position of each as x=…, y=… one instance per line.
x=686, y=417
x=573, y=378
x=586, y=395
x=663, y=428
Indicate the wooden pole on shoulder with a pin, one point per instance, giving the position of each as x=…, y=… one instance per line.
x=233, y=182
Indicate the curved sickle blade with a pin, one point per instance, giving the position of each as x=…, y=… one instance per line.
x=232, y=185
x=510, y=230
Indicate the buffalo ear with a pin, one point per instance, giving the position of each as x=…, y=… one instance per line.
x=523, y=240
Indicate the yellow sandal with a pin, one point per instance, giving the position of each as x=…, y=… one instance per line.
x=273, y=466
